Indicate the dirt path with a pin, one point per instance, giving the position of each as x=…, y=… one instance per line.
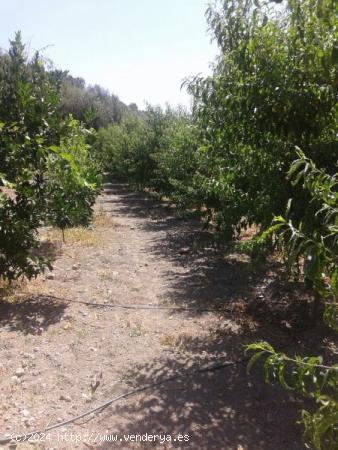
x=60, y=357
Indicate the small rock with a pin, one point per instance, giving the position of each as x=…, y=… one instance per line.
x=15, y=380
x=66, y=398
x=50, y=276
x=24, y=412
x=286, y=324
x=86, y=398
x=66, y=317
x=184, y=250
x=75, y=266
x=20, y=372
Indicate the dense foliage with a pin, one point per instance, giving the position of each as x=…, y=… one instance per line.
x=156, y=150
x=311, y=378
x=273, y=88
x=316, y=243
x=40, y=154
x=72, y=183
x=312, y=240
x=92, y=105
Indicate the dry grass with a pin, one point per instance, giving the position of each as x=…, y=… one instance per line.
x=103, y=220
x=104, y=275
x=136, y=329
x=15, y=291
x=6, y=289
x=107, y=274
x=136, y=288
x=21, y=290
x=248, y=233
x=82, y=237
x=176, y=340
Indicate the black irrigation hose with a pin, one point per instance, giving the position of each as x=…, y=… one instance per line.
x=169, y=308
x=26, y=436
x=150, y=307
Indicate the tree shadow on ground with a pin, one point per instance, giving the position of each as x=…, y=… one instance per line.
x=32, y=315
x=50, y=250
x=222, y=409
x=205, y=274
x=47, y=249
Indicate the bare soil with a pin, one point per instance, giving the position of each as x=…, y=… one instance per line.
x=63, y=354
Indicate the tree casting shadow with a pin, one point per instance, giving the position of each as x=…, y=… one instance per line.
x=219, y=410
x=206, y=275
x=33, y=315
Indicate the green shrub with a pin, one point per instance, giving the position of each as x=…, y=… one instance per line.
x=73, y=179
x=314, y=241
x=273, y=86
x=44, y=163
x=155, y=151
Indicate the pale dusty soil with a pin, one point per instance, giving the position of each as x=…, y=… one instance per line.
x=139, y=253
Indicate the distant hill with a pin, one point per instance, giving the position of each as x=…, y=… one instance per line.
x=93, y=105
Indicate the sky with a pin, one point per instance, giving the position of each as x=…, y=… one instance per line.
x=141, y=50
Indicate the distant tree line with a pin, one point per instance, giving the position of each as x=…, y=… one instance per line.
x=94, y=106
